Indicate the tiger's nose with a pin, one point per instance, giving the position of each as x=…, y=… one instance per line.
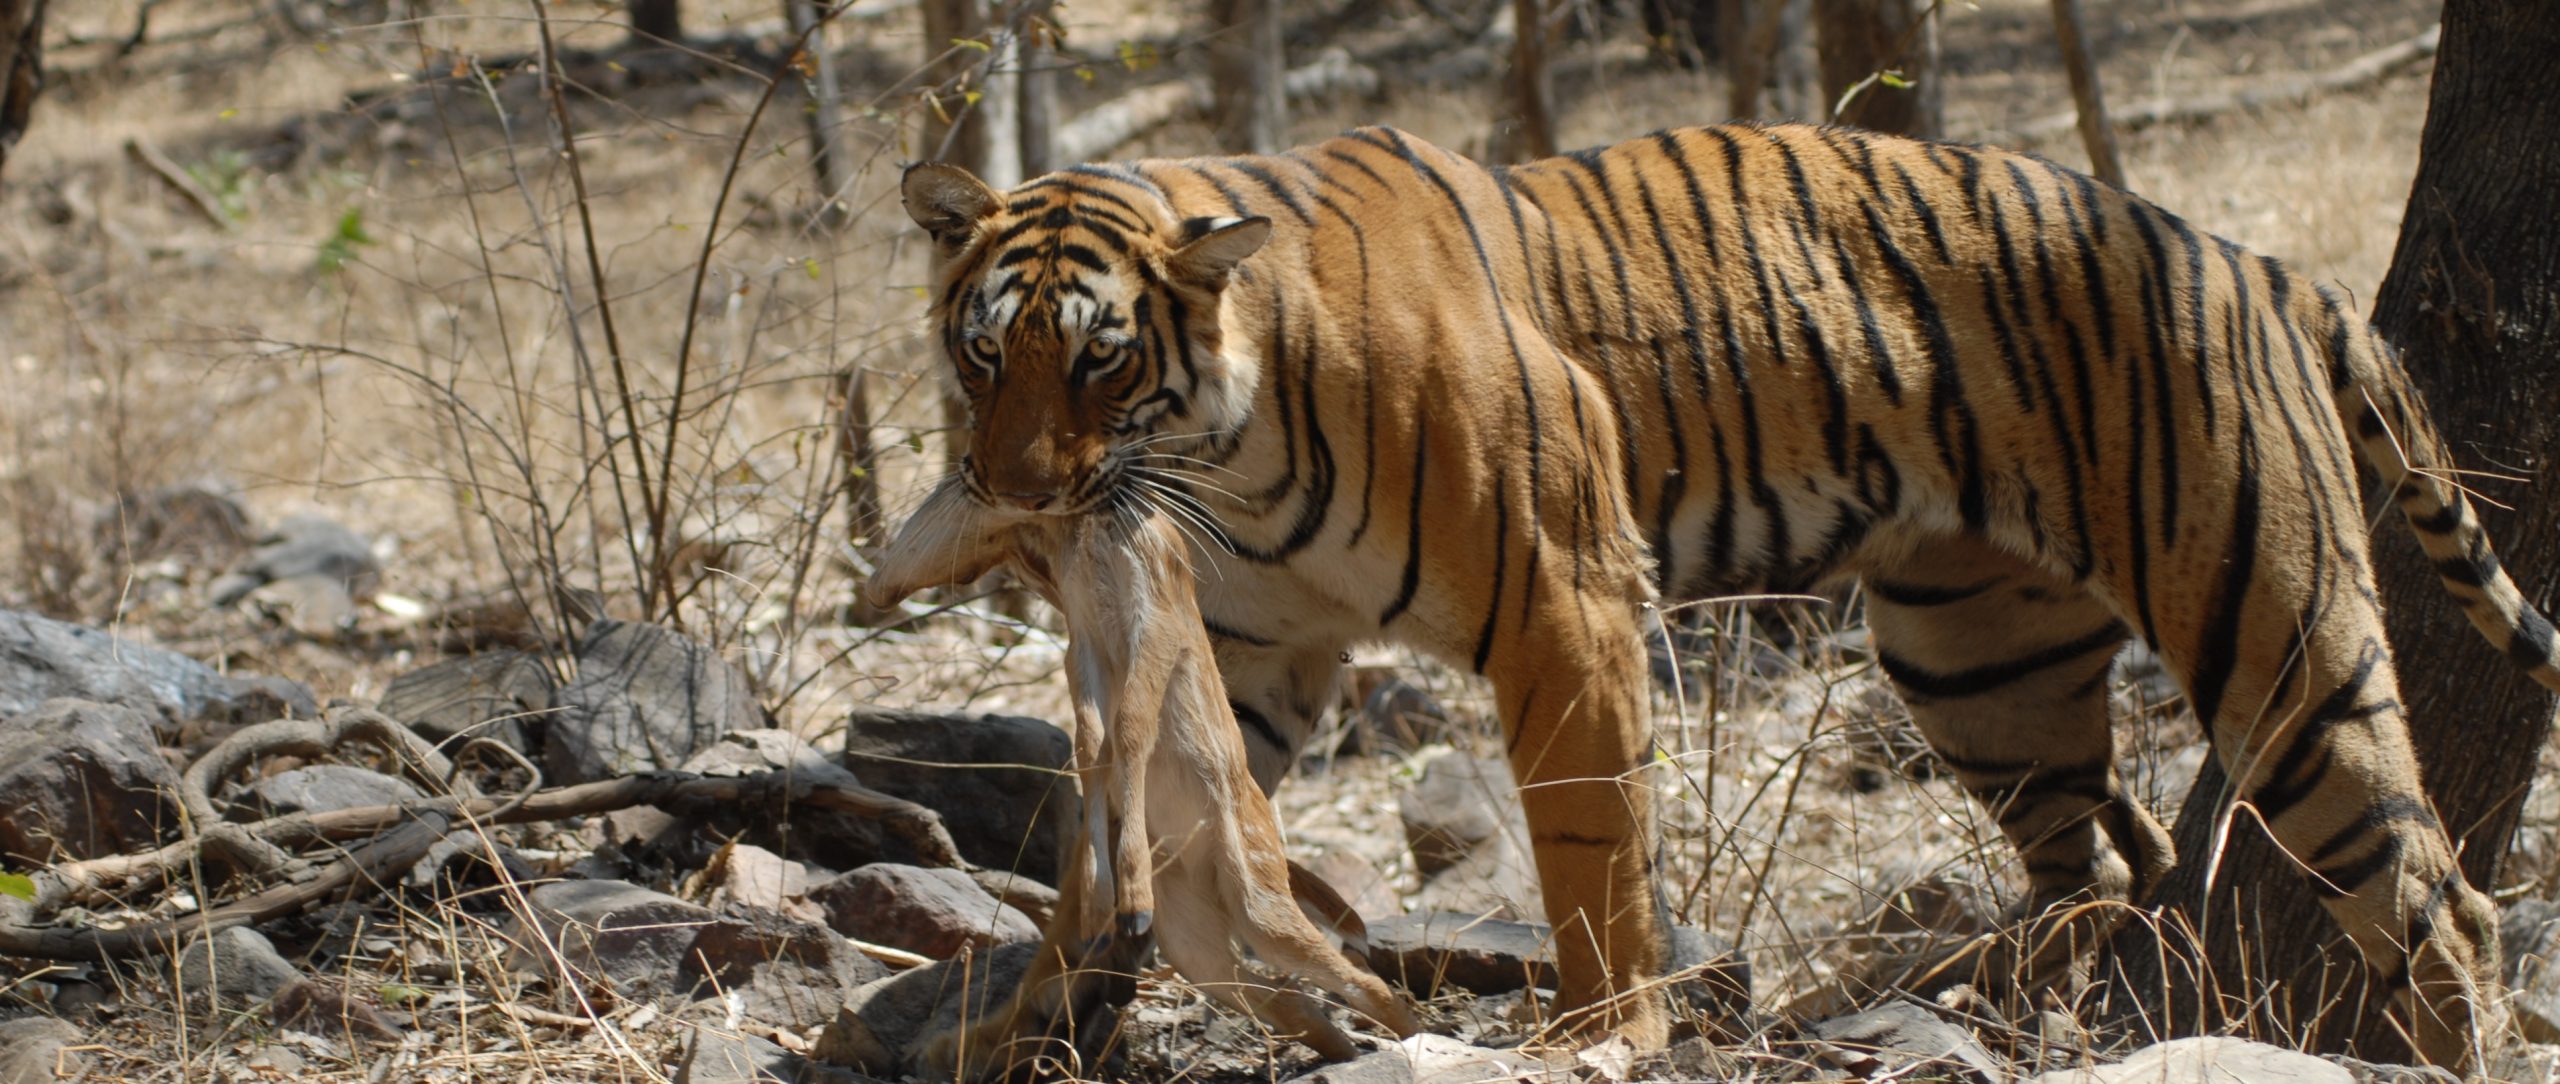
x=1028, y=501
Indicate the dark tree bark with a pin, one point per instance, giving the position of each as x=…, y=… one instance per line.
x=971, y=121
x=2086, y=94
x=656, y=21
x=1528, y=128
x=21, y=68
x=1247, y=60
x=1885, y=50
x=2473, y=298
x=1037, y=113
x=1693, y=33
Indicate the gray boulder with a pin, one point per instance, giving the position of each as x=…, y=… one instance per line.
x=2216, y=1059
x=32, y=1051
x=616, y=930
x=237, y=966
x=42, y=659
x=645, y=698
x=83, y=780
x=1899, y=1039
x=929, y=912
x=999, y=817
x=501, y=695
x=776, y=970
x=885, y=1022
x=322, y=788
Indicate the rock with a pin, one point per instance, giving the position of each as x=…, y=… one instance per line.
x=322, y=788
x=328, y=1008
x=1424, y=952
x=1460, y=804
x=1439, y=1059
x=42, y=659
x=1900, y=1039
x=235, y=966
x=1427, y=951
x=644, y=698
x=301, y=547
x=2366, y=1072
x=83, y=780
x=1360, y=882
x=997, y=816
x=749, y=874
x=31, y=1051
x=1397, y=717
x=886, y=1020
x=314, y=607
x=2215, y=1059
x=500, y=695
x=930, y=912
x=720, y=1057
x=1496, y=880
x=829, y=838
x=617, y=930
x=773, y=969
x=2529, y=931
x=190, y=522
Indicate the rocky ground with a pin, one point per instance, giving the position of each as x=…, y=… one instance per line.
x=610, y=862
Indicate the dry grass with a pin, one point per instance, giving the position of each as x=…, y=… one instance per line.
x=434, y=390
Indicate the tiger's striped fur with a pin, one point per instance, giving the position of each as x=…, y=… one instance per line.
x=1491, y=413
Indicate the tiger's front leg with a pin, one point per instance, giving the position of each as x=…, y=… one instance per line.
x=1573, y=696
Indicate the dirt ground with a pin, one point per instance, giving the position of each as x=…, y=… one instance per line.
x=373, y=324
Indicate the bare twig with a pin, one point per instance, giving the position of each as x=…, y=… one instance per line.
x=2372, y=67
x=175, y=176
x=2094, y=131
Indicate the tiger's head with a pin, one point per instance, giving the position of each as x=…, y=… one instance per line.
x=1084, y=321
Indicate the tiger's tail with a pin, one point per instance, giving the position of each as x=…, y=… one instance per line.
x=2392, y=432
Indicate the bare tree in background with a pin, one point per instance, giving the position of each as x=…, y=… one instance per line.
x=1879, y=56
x=2473, y=299
x=1036, y=109
x=1247, y=60
x=1528, y=127
x=654, y=21
x=21, y=68
x=970, y=66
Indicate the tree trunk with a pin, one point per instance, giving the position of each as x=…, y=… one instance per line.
x=1529, y=129
x=1879, y=56
x=21, y=68
x=2086, y=96
x=970, y=121
x=2473, y=298
x=1247, y=60
x=1037, y=94
x=656, y=21
x=826, y=109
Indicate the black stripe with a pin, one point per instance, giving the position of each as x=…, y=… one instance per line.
x=1257, y=725
x=2218, y=650
x=2531, y=645
x=1412, y=580
x=1918, y=594
x=1991, y=677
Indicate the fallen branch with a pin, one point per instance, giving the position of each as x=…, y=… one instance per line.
x=2372, y=67
x=675, y=791
x=391, y=852
x=171, y=174
x=1105, y=128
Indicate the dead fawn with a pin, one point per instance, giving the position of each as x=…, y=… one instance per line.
x=1185, y=848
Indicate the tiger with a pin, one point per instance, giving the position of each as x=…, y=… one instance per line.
x=1494, y=413
x=1174, y=827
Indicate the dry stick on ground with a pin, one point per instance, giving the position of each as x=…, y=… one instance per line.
x=674, y=791
x=1098, y=131
x=171, y=174
x=2092, y=104
x=2285, y=90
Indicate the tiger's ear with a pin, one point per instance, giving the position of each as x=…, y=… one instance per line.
x=1212, y=247
x=947, y=201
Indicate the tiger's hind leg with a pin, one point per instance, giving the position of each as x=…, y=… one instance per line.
x=2295, y=680
x=2004, y=667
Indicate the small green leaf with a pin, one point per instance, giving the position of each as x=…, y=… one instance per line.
x=972, y=96
x=19, y=885
x=396, y=994
x=1894, y=79
x=810, y=265
x=973, y=43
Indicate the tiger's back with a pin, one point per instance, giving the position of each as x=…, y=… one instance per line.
x=1491, y=411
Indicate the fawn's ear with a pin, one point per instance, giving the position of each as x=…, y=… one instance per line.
x=950, y=539
x=1212, y=247
x=947, y=201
